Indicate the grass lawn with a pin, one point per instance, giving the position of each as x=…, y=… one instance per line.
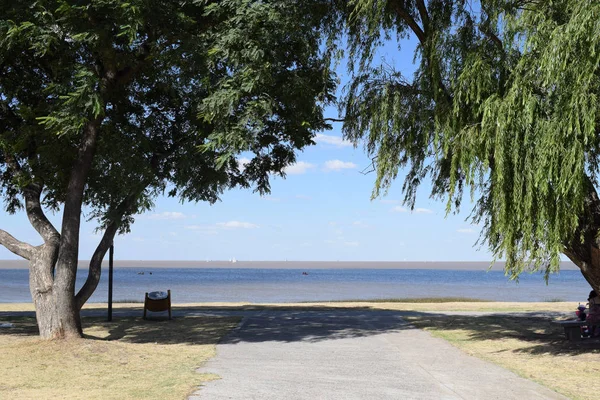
x=126, y=359
x=534, y=348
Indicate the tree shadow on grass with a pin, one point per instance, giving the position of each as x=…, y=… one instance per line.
x=260, y=324
x=19, y=326
x=198, y=325
x=278, y=323
x=181, y=330
x=539, y=335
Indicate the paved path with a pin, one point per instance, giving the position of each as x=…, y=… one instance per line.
x=351, y=354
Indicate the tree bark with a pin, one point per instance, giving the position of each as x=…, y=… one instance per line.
x=56, y=314
x=584, y=249
x=588, y=263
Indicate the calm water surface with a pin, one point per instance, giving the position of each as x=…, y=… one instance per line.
x=290, y=285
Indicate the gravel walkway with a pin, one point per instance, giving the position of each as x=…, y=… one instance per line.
x=351, y=354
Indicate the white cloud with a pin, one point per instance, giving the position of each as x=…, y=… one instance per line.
x=423, y=211
x=351, y=244
x=400, y=209
x=237, y=225
x=337, y=165
x=299, y=168
x=242, y=162
x=361, y=224
x=332, y=140
x=167, y=215
x=465, y=230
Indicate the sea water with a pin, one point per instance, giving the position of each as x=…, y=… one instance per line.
x=295, y=285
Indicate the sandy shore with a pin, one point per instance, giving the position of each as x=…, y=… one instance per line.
x=445, y=265
x=491, y=306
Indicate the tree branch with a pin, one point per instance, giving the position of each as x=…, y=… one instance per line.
x=405, y=15
x=37, y=218
x=492, y=36
x=69, y=244
x=421, y=34
x=32, y=193
x=95, y=267
x=423, y=14
x=22, y=249
x=13, y=164
x=71, y=222
x=371, y=168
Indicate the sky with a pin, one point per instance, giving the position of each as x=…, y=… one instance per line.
x=322, y=211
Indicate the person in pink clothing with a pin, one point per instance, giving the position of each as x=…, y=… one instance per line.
x=593, y=317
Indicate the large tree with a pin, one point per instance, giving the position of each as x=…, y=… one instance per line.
x=503, y=105
x=106, y=104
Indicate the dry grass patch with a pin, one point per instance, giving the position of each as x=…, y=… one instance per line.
x=126, y=359
x=534, y=348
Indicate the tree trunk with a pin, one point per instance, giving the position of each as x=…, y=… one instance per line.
x=55, y=310
x=584, y=248
x=588, y=261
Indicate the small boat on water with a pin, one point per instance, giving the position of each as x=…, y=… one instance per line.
x=304, y=273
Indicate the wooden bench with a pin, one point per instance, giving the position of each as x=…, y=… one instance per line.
x=573, y=329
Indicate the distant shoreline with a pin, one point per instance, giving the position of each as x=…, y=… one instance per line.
x=443, y=265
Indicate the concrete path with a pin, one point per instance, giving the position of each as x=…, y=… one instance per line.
x=351, y=354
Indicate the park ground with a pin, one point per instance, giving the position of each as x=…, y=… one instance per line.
x=130, y=358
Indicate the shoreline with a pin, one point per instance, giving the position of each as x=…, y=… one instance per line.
x=308, y=265
x=478, y=306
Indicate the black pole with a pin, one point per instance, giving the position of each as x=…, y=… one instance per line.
x=111, y=254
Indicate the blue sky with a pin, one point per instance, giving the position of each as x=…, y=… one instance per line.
x=322, y=211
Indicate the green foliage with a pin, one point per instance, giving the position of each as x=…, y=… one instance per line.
x=504, y=103
x=178, y=88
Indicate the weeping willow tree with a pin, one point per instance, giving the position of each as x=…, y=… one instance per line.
x=503, y=107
